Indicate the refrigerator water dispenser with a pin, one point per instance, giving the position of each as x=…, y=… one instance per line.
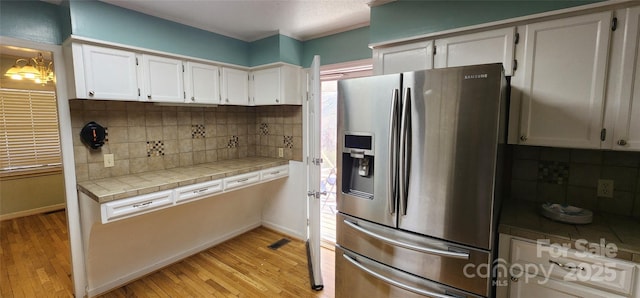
x=357, y=161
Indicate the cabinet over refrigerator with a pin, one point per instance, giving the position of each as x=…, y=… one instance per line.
x=420, y=161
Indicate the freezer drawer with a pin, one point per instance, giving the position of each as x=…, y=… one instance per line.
x=448, y=263
x=197, y=191
x=137, y=205
x=363, y=277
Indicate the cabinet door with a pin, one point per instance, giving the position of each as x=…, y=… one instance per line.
x=235, y=86
x=494, y=46
x=109, y=74
x=626, y=134
x=410, y=57
x=266, y=86
x=202, y=83
x=563, y=78
x=163, y=79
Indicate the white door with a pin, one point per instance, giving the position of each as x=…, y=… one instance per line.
x=626, y=133
x=235, y=87
x=163, y=79
x=202, y=83
x=109, y=73
x=409, y=57
x=266, y=86
x=493, y=46
x=562, y=81
x=313, y=172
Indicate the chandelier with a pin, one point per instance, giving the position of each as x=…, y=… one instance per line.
x=37, y=69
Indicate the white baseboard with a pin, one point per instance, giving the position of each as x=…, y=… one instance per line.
x=168, y=261
x=33, y=211
x=284, y=230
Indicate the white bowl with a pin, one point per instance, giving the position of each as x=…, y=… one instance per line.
x=567, y=214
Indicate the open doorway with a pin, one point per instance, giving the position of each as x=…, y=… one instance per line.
x=329, y=76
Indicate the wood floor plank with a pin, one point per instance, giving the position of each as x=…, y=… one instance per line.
x=35, y=262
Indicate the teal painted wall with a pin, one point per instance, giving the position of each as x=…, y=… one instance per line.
x=291, y=50
x=111, y=23
x=264, y=51
x=341, y=47
x=407, y=18
x=35, y=21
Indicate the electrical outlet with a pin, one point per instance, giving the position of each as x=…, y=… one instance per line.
x=108, y=160
x=605, y=188
x=280, y=152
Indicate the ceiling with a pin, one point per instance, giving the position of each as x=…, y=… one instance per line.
x=250, y=20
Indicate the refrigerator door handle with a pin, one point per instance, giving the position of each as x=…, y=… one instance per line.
x=405, y=147
x=393, y=152
x=422, y=249
x=394, y=282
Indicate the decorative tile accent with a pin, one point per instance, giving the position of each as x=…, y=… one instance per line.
x=288, y=142
x=155, y=148
x=264, y=129
x=198, y=131
x=555, y=172
x=233, y=142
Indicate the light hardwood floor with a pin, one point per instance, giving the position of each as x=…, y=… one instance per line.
x=34, y=262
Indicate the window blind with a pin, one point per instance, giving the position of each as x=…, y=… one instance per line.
x=29, y=138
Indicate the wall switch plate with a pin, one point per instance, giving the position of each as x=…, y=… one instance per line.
x=108, y=160
x=280, y=152
x=605, y=188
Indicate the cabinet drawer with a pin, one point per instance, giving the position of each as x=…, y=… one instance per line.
x=124, y=208
x=197, y=191
x=274, y=173
x=241, y=180
x=570, y=265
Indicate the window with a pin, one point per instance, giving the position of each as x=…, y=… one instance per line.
x=29, y=138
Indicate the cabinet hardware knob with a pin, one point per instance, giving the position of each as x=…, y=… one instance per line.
x=523, y=138
x=227, y=100
x=149, y=96
x=193, y=98
x=277, y=100
x=92, y=93
x=514, y=279
x=622, y=142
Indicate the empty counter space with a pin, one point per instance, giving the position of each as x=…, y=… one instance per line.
x=135, y=224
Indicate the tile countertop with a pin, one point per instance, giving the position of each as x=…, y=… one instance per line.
x=114, y=188
x=523, y=219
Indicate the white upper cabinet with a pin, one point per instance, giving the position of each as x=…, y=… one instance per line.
x=266, y=86
x=202, y=83
x=275, y=86
x=561, y=79
x=163, y=79
x=493, y=46
x=235, y=86
x=408, y=57
x=103, y=73
x=626, y=85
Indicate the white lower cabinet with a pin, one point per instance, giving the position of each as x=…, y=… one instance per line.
x=137, y=205
x=543, y=270
x=238, y=181
x=197, y=191
x=274, y=173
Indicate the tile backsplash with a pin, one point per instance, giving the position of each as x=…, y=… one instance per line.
x=146, y=137
x=570, y=176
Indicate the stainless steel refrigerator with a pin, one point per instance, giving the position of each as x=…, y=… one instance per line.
x=419, y=167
